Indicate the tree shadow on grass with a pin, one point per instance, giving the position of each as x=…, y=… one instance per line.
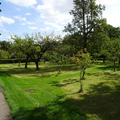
x=110, y=76
x=101, y=103
x=56, y=110
x=64, y=82
x=106, y=75
x=105, y=67
x=41, y=69
x=109, y=67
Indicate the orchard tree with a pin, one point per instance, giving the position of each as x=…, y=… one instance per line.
x=23, y=47
x=4, y=54
x=57, y=58
x=114, y=51
x=59, y=54
x=113, y=32
x=28, y=48
x=83, y=60
x=72, y=42
x=16, y=48
x=86, y=15
x=4, y=45
x=42, y=45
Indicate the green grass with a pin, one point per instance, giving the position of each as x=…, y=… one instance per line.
x=47, y=95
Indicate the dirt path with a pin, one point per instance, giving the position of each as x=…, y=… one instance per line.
x=4, y=108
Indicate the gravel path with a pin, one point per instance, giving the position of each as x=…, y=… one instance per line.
x=4, y=108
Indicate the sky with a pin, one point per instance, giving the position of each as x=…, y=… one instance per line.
x=46, y=16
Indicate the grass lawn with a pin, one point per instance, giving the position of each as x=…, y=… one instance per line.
x=47, y=95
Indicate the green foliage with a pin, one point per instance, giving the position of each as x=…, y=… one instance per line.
x=4, y=54
x=86, y=14
x=83, y=60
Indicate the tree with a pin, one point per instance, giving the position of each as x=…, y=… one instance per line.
x=58, y=54
x=5, y=45
x=28, y=48
x=17, y=48
x=114, y=51
x=86, y=15
x=42, y=44
x=72, y=44
x=113, y=32
x=0, y=11
x=24, y=47
x=4, y=54
x=83, y=60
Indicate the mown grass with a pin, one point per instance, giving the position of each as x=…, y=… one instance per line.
x=47, y=95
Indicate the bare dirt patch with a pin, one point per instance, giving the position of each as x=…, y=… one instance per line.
x=30, y=91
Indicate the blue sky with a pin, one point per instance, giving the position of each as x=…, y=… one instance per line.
x=45, y=16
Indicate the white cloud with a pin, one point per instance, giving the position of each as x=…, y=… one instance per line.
x=20, y=18
x=55, y=14
x=33, y=28
x=27, y=14
x=23, y=20
x=6, y=20
x=112, y=11
x=25, y=3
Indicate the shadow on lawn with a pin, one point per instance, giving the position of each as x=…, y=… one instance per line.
x=101, y=102
x=106, y=75
x=108, y=67
x=110, y=76
x=41, y=70
x=64, y=83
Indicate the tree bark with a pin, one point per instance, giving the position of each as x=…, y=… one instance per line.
x=37, y=64
x=81, y=86
x=114, y=67
x=119, y=61
x=103, y=59
x=19, y=63
x=26, y=63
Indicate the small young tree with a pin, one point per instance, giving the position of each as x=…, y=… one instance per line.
x=83, y=60
x=58, y=59
x=114, y=50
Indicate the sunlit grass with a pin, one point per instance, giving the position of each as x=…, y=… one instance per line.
x=50, y=95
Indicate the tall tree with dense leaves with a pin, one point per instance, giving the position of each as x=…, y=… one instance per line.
x=86, y=14
x=42, y=44
x=0, y=11
x=16, y=48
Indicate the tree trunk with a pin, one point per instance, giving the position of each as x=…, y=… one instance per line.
x=84, y=28
x=81, y=86
x=103, y=59
x=26, y=63
x=44, y=61
x=114, y=67
x=19, y=63
x=59, y=70
x=37, y=65
x=119, y=61
x=83, y=77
